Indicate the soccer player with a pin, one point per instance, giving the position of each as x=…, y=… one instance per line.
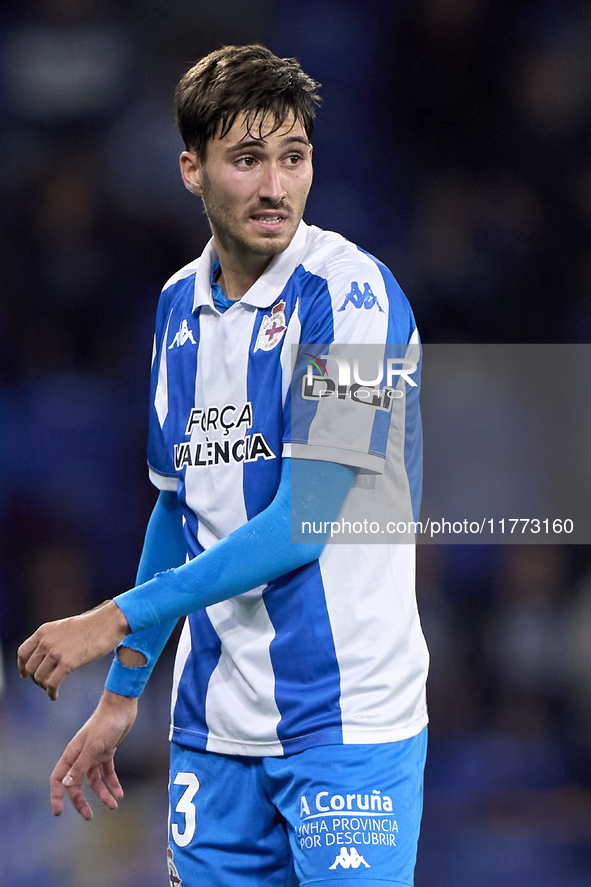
x=298, y=707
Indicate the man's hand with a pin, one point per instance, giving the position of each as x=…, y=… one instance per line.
x=90, y=754
x=57, y=648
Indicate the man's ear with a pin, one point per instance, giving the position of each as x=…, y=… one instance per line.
x=191, y=172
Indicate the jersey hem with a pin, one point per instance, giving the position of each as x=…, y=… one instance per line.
x=366, y=882
x=346, y=736
x=163, y=482
x=352, y=736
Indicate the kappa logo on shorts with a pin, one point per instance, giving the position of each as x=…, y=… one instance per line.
x=366, y=299
x=272, y=328
x=173, y=875
x=349, y=859
x=183, y=335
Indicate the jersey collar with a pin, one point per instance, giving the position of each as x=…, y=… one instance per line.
x=264, y=291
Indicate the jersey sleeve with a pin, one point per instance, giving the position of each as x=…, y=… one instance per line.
x=356, y=362
x=160, y=464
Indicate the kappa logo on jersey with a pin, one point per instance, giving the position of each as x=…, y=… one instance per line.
x=184, y=335
x=272, y=328
x=349, y=859
x=173, y=875
x=366, y=299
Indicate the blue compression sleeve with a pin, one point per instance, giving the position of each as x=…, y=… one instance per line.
x=164, y=547
x=255, y=553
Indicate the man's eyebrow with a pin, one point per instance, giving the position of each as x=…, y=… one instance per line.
x=260, y=143
x=301, y=140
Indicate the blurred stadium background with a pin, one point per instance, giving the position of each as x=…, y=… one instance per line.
x=454, y=144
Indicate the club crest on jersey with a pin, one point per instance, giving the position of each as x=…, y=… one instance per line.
x=173, y=875
x=272, y=328
x=366, y=299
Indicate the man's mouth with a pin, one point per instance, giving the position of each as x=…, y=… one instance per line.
x=268, y=216
x=269, y=220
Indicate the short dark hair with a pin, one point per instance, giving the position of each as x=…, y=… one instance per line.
x=242, y=79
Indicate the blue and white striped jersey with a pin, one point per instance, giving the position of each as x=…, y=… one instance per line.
x=332, y=652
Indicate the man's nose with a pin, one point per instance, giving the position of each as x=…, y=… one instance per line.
x=271, y=186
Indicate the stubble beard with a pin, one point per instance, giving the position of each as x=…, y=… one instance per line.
x=225, y=229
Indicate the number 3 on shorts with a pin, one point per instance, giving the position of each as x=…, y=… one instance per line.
x=187, y=808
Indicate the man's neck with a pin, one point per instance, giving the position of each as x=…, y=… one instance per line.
x=237, y=275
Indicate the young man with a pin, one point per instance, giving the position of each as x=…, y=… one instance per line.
x=298, y=710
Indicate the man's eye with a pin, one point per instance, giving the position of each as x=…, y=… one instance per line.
x=246, y=161
x=294, y=159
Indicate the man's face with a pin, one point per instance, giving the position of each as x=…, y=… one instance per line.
x=254, y=187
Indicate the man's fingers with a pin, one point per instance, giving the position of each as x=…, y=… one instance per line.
x=56, y=787
x=24, y=653
x=36, y=662
x=56, y=795
x=34, y=654
x=79, y=802
x=95, y=781
x=70, y=775
x=111, y=778
x=54, y=681
x=92, y=761
x=49, y=676
x=72, y=784
x=30, y=664
x=43, y=671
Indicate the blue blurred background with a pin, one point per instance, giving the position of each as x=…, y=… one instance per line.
x=454, y=144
